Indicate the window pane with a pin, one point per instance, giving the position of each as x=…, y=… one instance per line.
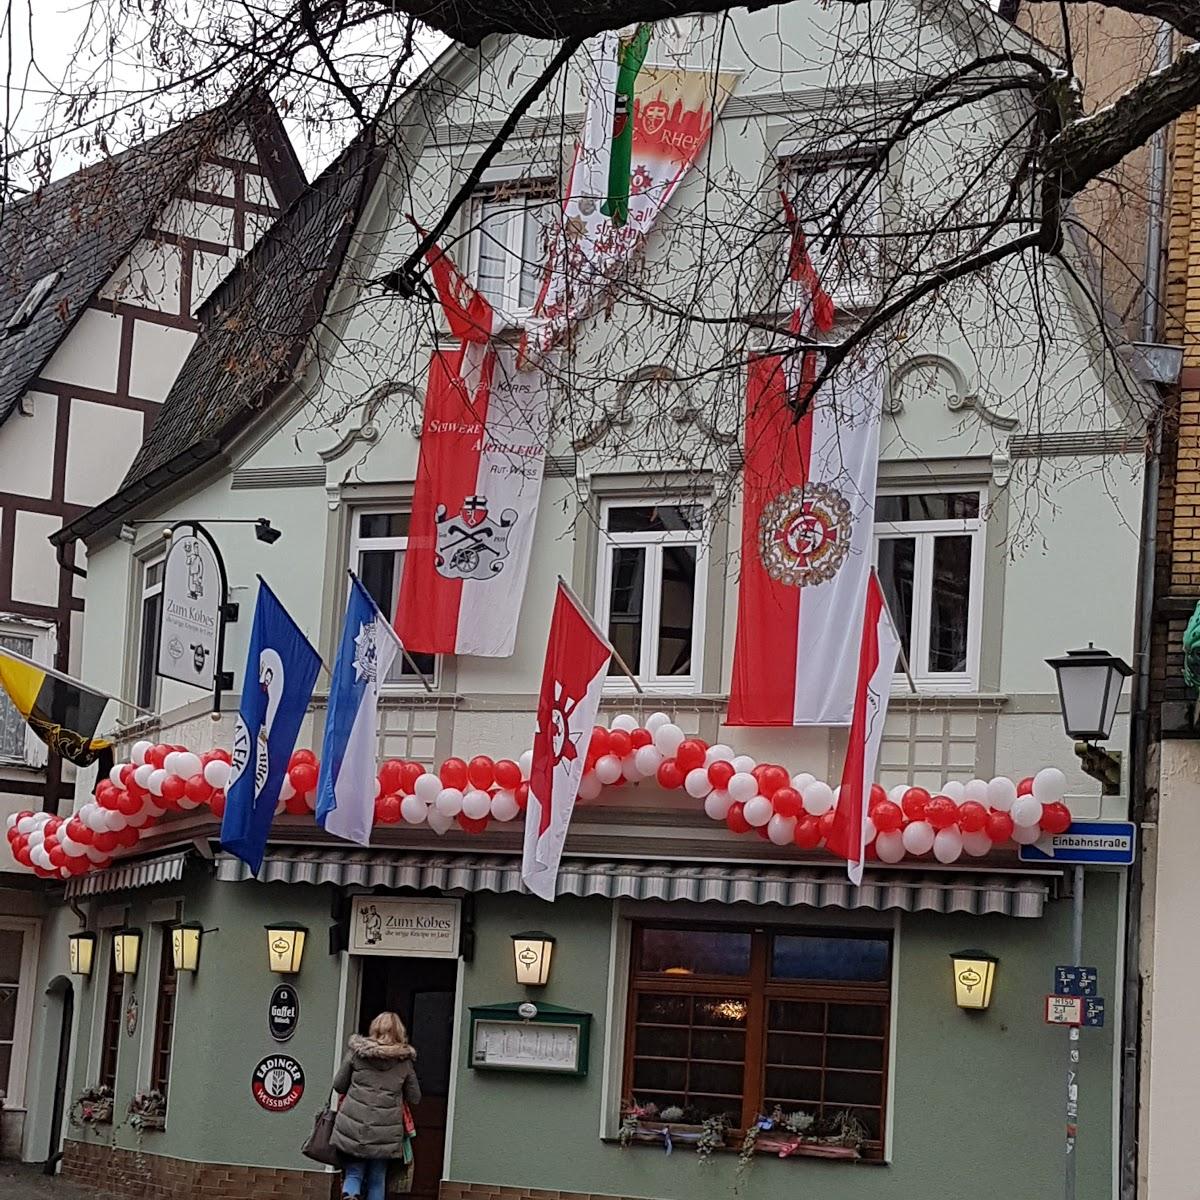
x=676, y=611
x=10, y=955
x=897, y=558
x=493, y=249
x=864, y=1019
x=928, y=506
x=857, y=960
x=377, y=525
x=654, y=518
x=532, y=253
x=625, y=602
x=12, y=724
x=949, y=602
x=8, y=1012
x=5, y=1064
x=380, y=572
x=148, y=649
x=154, y=573
x=695, y=952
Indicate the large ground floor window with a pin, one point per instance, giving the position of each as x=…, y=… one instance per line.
x=740, y=1021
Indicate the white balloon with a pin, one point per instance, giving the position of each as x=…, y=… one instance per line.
x=525, y=762
x=948, y=845
x=697, y=783
x=505, y=806
x=818, y=798
x=310, y=800
x=608, y=768
x=95, y=855
x=1026, y=835
x=630, y=769
x=896, y=794
x=744, y=764
x=869, y=831
x=29, y=824
x=742, y=786
x=668, y=738
x=716, y=804
x=648, y=760
x=141, y=775
x=185, y=803
x=287, y=791
x=156, y=780
x=216, y=773
x=918, y=837
x=37, y=836
x=655, y=721
x=890, y=846
x=476, y=803
x=589, y=786
x=954, y=790
x=378, y=787
x=138, y=819
x=780, y=830
x=114, y=775
x=624, y=721
x=71, y=847
x=413, y=810
x=439, y=822
x=10, y=821
x=976, y=789
x=1027, y=811
x=94, y=819
x=169, y=763
x=802, y=780
x=977, y=844
x=758, y=810
x=1049, y=784
x=427, y=788
x=137, y=753
x=153, y=809
x=188, y=764
x=718, y=753
x=449, y=802
x=115, y=820
x=1001, y=793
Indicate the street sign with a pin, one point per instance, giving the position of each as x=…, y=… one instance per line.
x=1064, y=1010
x=190, y=614
x=1107, y=843
x=1093, y=1011
x=1076, y=981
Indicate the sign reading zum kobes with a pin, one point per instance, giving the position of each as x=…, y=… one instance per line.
x=191, y=612
x=405, y=926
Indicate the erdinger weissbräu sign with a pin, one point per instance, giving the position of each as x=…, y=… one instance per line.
x=191, y=611
x=411, y=926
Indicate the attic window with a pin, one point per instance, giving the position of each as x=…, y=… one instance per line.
x=32, y=302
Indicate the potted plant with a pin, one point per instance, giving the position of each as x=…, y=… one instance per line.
x=148, y=1110
x=799, y=1133
x=672, y=1125
x=93, y=1106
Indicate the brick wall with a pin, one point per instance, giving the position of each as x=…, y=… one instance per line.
x=133, y=1175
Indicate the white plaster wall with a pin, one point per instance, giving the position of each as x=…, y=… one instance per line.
x=35, y=571
x=89, y=355
x=102, y=444
x=149, y=277
x=158, y=353
x=27, y=447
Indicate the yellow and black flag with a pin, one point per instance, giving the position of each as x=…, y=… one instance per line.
x=60, y=710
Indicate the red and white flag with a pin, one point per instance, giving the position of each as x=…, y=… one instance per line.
x=479, y=477
x=876, y=666
x=470, y=314
x=807, y=516
x=577, y=658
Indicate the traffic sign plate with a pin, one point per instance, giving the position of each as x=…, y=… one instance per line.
x=1076, y=981
x=1108, y=843
x=1064, y=1010
x=1093, y=1011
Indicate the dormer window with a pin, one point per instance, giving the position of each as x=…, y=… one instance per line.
x=32, y=302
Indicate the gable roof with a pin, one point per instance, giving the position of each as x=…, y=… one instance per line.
x=83, y=226
x=253, y=330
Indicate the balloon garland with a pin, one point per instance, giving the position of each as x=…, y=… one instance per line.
x=961, y=818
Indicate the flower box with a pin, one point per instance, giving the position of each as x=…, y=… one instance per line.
x=798, y=1147
x=149, y=1121
x=96, y=1112
x=666, y=1132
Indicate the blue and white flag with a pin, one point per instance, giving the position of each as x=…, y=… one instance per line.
x=346, y=792
x=281, y=670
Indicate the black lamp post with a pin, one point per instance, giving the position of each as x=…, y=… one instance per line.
x=1089, y=688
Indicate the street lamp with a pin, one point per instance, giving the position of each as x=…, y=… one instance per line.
x=126, y=945
x=81, y=949
x=974, y=974
x=285, y=946
x=185, y=945
x=1089, y=688
x=532, y=952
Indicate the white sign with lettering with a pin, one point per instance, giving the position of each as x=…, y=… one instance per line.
x=191, y=612
x=409, y=926
x=524, y=1046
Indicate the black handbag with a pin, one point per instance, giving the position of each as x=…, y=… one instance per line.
x=319, y=1145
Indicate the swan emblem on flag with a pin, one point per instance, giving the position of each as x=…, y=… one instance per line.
x=804, y=535
x=470, y=544
x=366, y=653
x=270, y=680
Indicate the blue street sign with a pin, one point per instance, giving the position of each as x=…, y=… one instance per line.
x=1076, y=981
x=1093, y=1011
x=1108, y=843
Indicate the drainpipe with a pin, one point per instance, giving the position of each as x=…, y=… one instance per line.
x=1131, y=1009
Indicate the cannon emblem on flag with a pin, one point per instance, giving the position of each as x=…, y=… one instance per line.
x=804, y=535
x=470, y=545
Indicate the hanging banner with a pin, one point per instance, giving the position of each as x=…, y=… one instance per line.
x=673, y=114
x=479, y=477
x=191, y=611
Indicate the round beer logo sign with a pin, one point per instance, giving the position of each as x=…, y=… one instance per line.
x=278, y=1083
x=284, y=1014
x=804, y=535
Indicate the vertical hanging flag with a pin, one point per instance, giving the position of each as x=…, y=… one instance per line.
x=479, y=477
x=346, y=791
x=814, y=306
x=577, y=657
x=807, y=515
x=281, y=669
x=876, y=665
x=630, y=57
x=469, y=313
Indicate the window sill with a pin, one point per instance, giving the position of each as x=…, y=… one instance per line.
x=839, y=1154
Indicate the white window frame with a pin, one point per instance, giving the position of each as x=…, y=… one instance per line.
x=924, y=532
x=144, y=592
x=44, y=635
x=653, y=543
x=396, y=544
x=30, y=928
x=513, y=238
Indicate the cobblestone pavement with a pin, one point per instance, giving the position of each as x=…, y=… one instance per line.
x=21, y=1181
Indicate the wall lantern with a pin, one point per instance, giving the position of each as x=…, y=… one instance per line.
x=974, y=974
x=532, y=951
x=1089, y=686
x=126, y=945
x=185, y=945
x=81, y=949
x=285, y=946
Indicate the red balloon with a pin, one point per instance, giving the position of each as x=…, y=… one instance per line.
x=79, y=864
x=888, y=817
x=690, y=754
x=157, y=754
x=878, y=796
x=598, y=744
x=941, y=812
x=389, y=775
x=720, y=773
x=640, y=738
x=303, y=777
x=173, y=790
x=77, y=831
x=772, y=779
x=481, y=772
x=669, y=774
x=826, y=820
x=128, y=837
x=1025, y=787
x=735, y=818
x=221, y=755
x=106, y=796
x=619, y=743
x=128, y=804
x=387, y=809
x=197, y=789
x=807, y=834
x=1056, y=817
x=999, y=826
x=216, y=803
x=23, y=856
x=126, y=775
x=522, y=794
x=761, y=830
x=472, y=824
x=298, y=756
x=106, y=842
x=453, y=773
x=508, y=774
x=788, y=802
x=410, y=772
x=294, y=804
x=913, y=802
x=972, y=816
x=58, y=856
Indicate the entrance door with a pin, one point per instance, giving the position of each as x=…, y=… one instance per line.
x=421, y=990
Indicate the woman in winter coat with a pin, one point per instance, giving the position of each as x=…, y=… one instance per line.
x=377, y=1079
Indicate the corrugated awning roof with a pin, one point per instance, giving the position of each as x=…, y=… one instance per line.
x=1013, y=895
x=166, y=868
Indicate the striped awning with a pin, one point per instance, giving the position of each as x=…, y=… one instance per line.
x=167, y=868
x=1012, y=895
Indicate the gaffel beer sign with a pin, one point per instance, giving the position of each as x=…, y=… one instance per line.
x=405, y=926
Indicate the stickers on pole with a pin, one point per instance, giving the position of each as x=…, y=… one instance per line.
x=277, y=1083
x=1074, y=1001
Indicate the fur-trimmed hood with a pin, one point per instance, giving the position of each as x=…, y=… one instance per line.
x=366, y=1047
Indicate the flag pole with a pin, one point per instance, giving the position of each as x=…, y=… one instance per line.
x=408, y=658
x=87, y=687
x=899, y=643
x=587, y=616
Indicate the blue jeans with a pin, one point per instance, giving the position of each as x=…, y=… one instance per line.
x=370, y=1173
